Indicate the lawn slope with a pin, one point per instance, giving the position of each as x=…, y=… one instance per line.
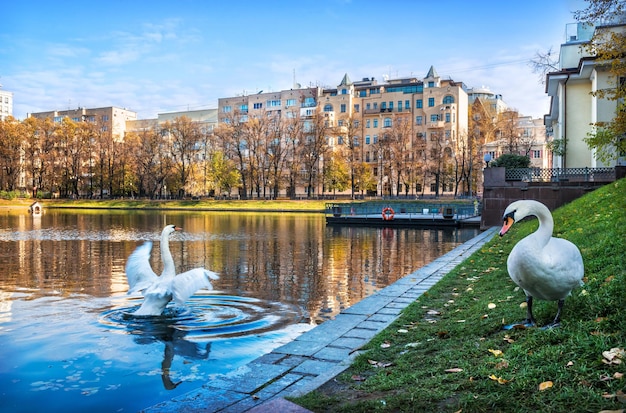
x=448, y=353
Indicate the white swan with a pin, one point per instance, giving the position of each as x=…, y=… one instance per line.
x=546, y=267
x=159, y=291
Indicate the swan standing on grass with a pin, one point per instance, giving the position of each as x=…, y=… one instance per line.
x=546, y=267
x=159, y=291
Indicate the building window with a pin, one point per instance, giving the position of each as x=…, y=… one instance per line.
x=431, y=102
x=328, y=107
x=383, y=105
x=367, y=139
x=387, y=122
x=419, y=104
x=357, y=108
x=342, y=108
x=291, y=102
x=225, y=109
x=375, y=105
x=447, y=117
x=367, y=106
x=340, y=122
x=407, y=104
x=390, y=105
x=448, y=99
x=355, y=141
x=344, y=91
x=537, y=154
x=375, y=123
x=363, y=93
x=431, y=84
x=375, y=139
x=258, y=105
x=309, y=102
x=367, y=123
x=418, y=120
x=273, y=103
x=434, y=118
x=243, y=108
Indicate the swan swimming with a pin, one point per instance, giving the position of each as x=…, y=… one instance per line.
x=545, y=267
x=158, y=291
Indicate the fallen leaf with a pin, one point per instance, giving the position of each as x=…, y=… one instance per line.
x=433, y=312
x=613, y=356
x=569, y=364
x=621, y=397
x=403, y=331
x=496, y=353
x=508, y=339
x=500, y=380
x=460, y=321
x=356, y=377
x=454, y=370
x=523, y=305
x=612, y=411
x=545, y=385
x=491, y=306
x=618, y=375
x=385, y=344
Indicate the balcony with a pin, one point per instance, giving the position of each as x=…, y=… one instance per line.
x=435, y=125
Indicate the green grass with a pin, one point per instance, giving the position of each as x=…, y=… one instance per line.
x=501, y=371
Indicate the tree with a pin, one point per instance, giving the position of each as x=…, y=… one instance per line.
x=336, y=173
x=11, y=136
x=608, y=46
x=185, y=136
x=313, y=149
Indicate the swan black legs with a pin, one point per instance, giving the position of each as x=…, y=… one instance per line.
x=557, y=319
x=530, y=319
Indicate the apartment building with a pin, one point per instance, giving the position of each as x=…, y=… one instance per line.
x=111, y=119
x=426, y=110
x=6, y=104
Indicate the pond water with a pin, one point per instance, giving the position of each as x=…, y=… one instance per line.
x=69, y=340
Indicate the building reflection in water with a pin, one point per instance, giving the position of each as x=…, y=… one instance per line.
x=291, y=258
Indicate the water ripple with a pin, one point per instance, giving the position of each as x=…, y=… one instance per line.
x=207, y=317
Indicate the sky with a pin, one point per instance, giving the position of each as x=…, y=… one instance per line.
x=169, y=56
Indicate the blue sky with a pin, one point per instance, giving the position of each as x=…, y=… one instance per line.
x=164, y=56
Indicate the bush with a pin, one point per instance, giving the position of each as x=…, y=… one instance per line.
x=511, y=161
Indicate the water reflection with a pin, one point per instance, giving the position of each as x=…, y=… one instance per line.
x=63, y=302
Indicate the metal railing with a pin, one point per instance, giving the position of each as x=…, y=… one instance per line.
x=560, y=174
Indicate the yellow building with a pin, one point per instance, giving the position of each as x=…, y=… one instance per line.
x=573, y=107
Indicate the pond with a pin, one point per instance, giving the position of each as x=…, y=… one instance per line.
x=69, y=339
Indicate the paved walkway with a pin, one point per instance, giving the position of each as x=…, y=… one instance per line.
x=319, y=354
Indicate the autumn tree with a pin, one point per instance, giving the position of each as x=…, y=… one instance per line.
x=184, y=135
x=232, y=138
x=11, y=136
x=313, y=149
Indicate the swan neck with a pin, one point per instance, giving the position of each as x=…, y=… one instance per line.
x=546, y=224
x=166, y=255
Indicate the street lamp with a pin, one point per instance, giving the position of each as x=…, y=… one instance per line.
x=487, y=159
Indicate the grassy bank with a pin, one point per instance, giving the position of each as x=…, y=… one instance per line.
x=448, y=353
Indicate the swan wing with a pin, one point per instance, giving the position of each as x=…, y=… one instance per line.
x=187, y=283
x=139, y=273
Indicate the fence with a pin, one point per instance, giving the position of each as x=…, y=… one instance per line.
x=560, y=174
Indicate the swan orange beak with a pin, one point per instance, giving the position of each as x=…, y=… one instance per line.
x=508, y=221
x=178, y=229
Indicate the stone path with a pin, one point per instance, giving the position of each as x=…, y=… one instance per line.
x=319, y=354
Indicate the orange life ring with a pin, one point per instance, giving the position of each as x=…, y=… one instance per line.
x=388, y=214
